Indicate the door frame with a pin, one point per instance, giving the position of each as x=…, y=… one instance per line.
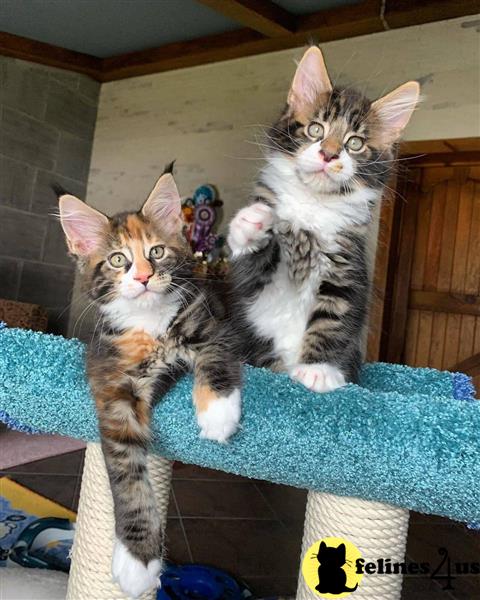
x=395, y=247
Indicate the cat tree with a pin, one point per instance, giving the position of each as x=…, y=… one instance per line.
x=404, y=439
x=376, y=528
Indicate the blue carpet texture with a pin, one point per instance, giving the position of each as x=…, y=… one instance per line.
x=408, y=437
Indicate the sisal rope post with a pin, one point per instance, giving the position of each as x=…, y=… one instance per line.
x=378, y=530
x=90, y=572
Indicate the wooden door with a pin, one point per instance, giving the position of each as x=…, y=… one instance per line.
x=434, y=312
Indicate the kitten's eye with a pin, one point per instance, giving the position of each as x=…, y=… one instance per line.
x=315, y=130
x=157, y=252
x=117, y=260
x=355, y=143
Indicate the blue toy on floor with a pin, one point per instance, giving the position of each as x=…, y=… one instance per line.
x=407, y=437
x=200, y=582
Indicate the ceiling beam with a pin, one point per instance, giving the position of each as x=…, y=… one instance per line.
x=47, y=54
x=226, y=46
x=263, y=16
x=178, y=55
x=341, y=23
x=399, y=13
x=375, y=15
x=344, y=22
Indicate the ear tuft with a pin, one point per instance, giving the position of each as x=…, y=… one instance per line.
x=168, y=168
x=395, y=110
x=164, y=205
x=84, y=226
x=58, y=190
x=311, y=80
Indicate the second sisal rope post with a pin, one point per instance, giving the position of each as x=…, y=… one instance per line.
x=90, y=572
x=378, y=530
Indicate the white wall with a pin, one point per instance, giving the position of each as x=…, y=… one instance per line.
x=208, y=117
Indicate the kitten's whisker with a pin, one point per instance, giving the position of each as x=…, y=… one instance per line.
x=87, y=308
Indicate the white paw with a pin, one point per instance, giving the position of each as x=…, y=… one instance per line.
x=131, y=574
x=249, y=227
x=220, y=419
x=320, y=377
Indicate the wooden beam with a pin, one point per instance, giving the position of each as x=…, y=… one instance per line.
x=178, y=55
x=449, y=302
x=380, y=273
x=445, y=159
x=324, y=26
x=374, y=15
x=440, y=146
x=260, y=15
x=400, y=270
x=344, y=22
x=470, y=366
x=47, y=54
x=405, y=13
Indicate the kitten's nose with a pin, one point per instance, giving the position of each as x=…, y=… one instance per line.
x=328, y=156
x=143, y=277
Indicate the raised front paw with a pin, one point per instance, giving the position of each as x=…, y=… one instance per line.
x=131, y=574
x=318, y=377
x=249, y=228
x=218, y=416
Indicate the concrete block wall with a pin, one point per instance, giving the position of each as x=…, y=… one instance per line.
x=47, y=121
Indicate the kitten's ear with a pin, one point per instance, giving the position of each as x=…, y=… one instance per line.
x=323, y=545
x=164, y=205
x=311, y=79
x=84, y=227
x=395, y=109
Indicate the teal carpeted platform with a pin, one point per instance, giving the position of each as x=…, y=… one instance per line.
x=408, y=437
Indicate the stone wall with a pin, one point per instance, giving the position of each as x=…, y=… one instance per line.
x=47, y=121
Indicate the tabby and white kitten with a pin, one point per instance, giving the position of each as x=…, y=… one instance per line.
x=156, y=321
x=299, y=250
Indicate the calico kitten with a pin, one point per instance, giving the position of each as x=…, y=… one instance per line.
x=156, y=320
x=299, y=250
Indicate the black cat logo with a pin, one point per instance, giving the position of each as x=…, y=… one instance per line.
x=332, y=578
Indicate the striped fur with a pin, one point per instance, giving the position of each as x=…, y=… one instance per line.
x=141, y=346
x=299, y=270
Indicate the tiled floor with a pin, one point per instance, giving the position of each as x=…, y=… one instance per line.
x=426, y=536
x=253, y=529
x=239, y=525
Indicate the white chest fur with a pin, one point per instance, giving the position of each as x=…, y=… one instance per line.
x=307, y=209
x=281, y=312
x=150, y=313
